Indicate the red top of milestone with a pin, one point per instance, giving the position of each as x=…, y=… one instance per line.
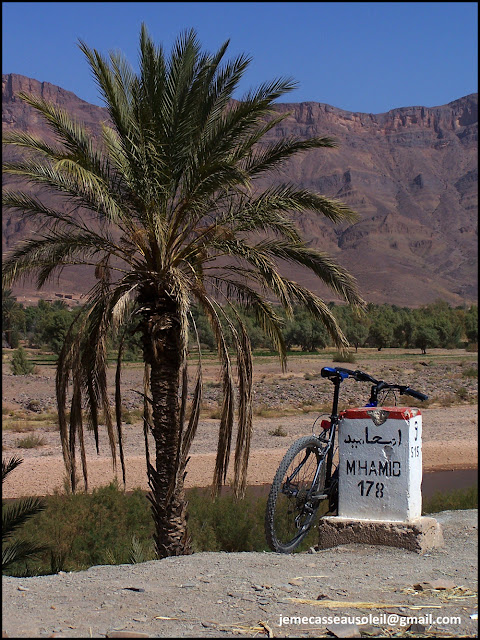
x=394, y=413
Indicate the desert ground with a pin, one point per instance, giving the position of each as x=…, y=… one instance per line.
x=286, y=405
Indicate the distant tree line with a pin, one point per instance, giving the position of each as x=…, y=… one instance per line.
x=435, y=325
x=42, y=325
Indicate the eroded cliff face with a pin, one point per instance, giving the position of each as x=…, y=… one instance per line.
x=411, y=174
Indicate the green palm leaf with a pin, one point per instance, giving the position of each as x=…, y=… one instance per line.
x=14, y=515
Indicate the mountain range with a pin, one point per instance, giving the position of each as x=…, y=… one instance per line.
x=411, y=174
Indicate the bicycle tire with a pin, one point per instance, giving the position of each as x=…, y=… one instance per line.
x=287, y=524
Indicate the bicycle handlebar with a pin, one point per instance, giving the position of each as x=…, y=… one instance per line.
x=360, y=376
x=415, y=394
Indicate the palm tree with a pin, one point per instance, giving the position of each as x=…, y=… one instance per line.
x=13, y=517
x=168, y=212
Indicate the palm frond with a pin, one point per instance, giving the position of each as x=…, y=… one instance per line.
x=195, y=406
x=51, y=252
x=25, y=140
x=317, y=307
x=327, y=269
x=72, y=134
x=212, y=311
x=9, y=465
x=80, y=189
x=252, y=300
x=244, y=429
x=271, y=156
x=118, y=406
x=16, y=514
x=20, y=550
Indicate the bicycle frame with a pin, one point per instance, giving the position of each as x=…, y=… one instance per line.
x=330, y=449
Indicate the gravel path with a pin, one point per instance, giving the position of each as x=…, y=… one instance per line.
x=225, y=594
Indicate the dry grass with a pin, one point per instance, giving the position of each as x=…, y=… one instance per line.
x=32, y=441
x=278, y=432
x=21, y=421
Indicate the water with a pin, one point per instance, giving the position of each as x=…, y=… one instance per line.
x=444, y=481
x=433, y=481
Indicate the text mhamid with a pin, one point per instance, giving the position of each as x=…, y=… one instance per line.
x=387, y=468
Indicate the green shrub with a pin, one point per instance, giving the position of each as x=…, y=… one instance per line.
x=109, y=526
x=226, y=524
x=461, y=393
x=20, y=364
x=15, y=517
x=86, y=529
x=344, y=357
x=452, y=500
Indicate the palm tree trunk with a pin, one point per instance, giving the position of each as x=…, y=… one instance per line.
x=163, y=352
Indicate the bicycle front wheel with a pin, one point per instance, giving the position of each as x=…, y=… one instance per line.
x=292, y=504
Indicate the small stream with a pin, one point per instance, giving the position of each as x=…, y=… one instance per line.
x=444, y=481
x=433, y=481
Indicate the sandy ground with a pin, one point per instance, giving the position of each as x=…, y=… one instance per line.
x=449, y=442
x=449, y=432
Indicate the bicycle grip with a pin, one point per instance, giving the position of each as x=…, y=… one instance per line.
x=328, y=372
x=415, y=394
x=361, y=376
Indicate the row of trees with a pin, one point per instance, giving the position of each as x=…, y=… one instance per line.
x=435, y=325
x=43, y=325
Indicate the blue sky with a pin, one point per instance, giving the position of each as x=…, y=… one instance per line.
x=358, y=56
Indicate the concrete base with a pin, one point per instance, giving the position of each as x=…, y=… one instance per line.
x=420, y=535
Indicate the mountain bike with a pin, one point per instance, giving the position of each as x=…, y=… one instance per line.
x=306, y=482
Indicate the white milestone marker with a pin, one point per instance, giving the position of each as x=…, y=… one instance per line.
x=380, y=458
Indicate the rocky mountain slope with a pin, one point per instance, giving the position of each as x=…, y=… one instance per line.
x=411, y=174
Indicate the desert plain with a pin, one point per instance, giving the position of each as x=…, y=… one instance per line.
x=286, y=406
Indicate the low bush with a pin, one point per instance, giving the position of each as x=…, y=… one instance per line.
x=226, y=524
x=452, y=500
x=344, y=357
x=20, y=365
x=86, y=529
x=279, y=431
x=462, y=393
x=32, y=441
x=109, y=526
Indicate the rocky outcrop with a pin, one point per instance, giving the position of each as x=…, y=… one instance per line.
x=411, y=174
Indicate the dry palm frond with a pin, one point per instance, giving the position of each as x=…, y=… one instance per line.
x=118, y=405
x=255, y=629
x=337, y=604
x=454, y=593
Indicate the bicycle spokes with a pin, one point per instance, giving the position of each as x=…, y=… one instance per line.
x=293, y=501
